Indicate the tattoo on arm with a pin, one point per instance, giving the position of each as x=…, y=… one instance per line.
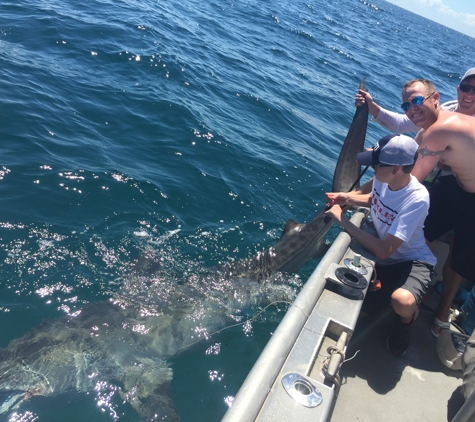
x=426, y=152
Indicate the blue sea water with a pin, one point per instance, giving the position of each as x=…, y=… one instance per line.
x=195, y=129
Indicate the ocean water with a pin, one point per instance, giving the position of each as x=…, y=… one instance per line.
x=190, y=130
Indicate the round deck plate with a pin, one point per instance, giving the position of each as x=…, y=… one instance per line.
x=360, y=270
x=301, y=390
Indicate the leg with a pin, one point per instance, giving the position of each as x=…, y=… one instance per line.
x=405, y=301
x=404, y=304
x=450, y=286
x=454, y=209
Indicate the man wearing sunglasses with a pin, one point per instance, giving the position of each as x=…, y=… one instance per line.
x=465, y=104
x=399, y=205
x=400, y=123
x=446, y=139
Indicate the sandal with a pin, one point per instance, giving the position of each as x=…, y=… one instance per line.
x=441, y=325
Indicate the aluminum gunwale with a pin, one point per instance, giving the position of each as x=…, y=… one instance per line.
x=253, y=392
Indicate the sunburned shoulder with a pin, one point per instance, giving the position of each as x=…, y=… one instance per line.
x=450, y=117
x=449, y=127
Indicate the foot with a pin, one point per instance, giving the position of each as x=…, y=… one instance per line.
x=398, y=341
x=439, y=325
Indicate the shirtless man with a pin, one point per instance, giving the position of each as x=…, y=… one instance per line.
x=448, y=139
x=400, y=123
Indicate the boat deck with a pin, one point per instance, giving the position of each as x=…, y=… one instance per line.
x=379, y=386
x=293, y=378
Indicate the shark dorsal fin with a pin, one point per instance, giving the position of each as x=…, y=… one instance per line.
x=291, y=228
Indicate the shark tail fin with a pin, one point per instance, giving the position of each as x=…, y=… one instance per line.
x=362, y=86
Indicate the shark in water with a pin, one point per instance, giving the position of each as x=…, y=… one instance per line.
x=124, y=343
x=301, y=242
x=127, y=340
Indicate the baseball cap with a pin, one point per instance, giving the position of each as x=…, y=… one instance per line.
x=469, y=72
x=393, y=150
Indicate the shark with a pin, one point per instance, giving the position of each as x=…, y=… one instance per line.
x=124, y=343
x=301, y=242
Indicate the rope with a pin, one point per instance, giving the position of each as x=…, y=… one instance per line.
x=331, y=350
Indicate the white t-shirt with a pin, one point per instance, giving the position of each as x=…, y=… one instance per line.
x=402, y=214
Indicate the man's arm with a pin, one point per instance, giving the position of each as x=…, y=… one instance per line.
x=381, y=248
x=395, y=122
x=430, y=152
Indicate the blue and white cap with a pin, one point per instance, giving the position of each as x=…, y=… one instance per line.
x=392, y=150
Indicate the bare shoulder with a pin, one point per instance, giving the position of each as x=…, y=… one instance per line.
x=455, y=121
x=448, y=128
x=450, y=141
x=434, y=140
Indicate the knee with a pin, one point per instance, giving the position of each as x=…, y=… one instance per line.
x=403, y=302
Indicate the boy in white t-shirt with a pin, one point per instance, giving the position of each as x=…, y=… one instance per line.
x=399, y=206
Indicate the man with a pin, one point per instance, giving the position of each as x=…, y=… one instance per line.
x=399, y=205
x=400, y=123
x=447, y=139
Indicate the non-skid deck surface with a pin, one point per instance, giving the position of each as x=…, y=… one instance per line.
x=377, y=386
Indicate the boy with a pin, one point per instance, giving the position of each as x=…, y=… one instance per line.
x=399, y=205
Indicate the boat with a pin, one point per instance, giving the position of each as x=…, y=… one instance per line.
x=324, y=364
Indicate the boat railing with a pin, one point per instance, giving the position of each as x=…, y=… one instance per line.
x=296, y=375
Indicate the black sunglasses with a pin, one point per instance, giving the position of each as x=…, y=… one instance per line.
x=467, y=88
x=416, y=101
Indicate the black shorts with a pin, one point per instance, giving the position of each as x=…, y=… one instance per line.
x=453, y=208
x=413, y=276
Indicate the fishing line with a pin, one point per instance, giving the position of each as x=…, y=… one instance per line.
x=358, y=179
x=244, y=322
x=346, y=360
x=281, y=301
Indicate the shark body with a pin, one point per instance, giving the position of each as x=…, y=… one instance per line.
x=122, y=345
